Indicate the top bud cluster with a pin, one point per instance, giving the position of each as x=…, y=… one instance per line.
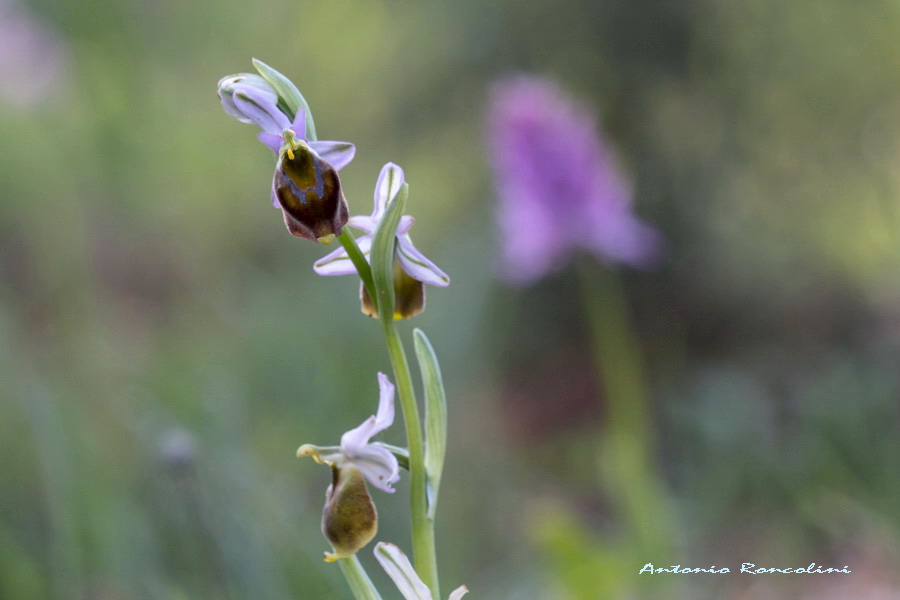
x=307, y=188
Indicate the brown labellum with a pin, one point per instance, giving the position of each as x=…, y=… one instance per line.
x=349, y=520
x=309, y=191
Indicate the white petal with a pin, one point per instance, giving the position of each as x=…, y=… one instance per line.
x=406, y=223
x=260, y=109
x=418, y=266
x=367, y=224
x=338, y=154
x=355, y=440
x=390, y=180
x=379, y=466
x=364, y=242
x=299, y=124
x=399, y=569
x=338, y=262
x=272, y=141
x=458, y=593
x=385, y=402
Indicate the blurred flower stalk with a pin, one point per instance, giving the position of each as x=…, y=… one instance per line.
x=392, y=272
x=563, y=198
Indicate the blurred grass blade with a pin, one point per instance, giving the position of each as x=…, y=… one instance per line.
x=382, y=253
x=435, y=416
x=288, y=92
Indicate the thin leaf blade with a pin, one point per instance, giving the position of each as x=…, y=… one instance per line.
x=435, y=416
x=382, y=253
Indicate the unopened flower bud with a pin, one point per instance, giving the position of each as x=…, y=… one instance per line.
x=349, y=520
x=242, y=83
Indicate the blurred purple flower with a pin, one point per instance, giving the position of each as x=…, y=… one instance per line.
x=560, y=189
x=32, y=56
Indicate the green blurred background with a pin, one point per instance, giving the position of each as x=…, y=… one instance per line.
x=165, y=346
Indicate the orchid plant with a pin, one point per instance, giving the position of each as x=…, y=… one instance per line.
x=306, y=187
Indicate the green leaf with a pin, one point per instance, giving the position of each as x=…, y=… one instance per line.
x=382, y=253
x=435, y=416
x=289, y=93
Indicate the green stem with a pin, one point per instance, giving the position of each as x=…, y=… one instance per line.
x=362, y=586
x=424, y=555
x=627, y=451
x=359, y=261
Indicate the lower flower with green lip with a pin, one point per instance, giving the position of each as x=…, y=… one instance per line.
x=349, y=519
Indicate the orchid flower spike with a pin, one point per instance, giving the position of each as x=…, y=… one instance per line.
x=412, y=269
x=401, y=571
x=306, y=186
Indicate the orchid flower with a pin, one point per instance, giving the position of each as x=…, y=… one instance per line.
x=400, y=570
x=349, y=518
x=378, y=464
x=412, y=268
x=306, y=185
